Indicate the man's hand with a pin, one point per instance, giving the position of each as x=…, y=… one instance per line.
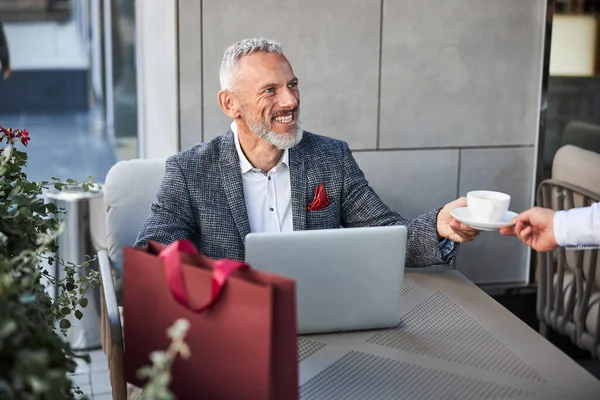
x=7, y=73
x=535, y=228
x=449, y=228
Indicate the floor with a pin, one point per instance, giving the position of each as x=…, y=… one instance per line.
x=93, y=378
x=523, y=305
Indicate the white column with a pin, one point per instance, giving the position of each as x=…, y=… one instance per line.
x=158, y=81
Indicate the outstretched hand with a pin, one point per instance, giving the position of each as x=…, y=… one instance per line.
x=535, y=228
x=451, y=229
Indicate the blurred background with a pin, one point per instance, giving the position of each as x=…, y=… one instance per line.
x=73, y=84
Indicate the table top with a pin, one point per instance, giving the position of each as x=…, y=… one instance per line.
x=453, y=342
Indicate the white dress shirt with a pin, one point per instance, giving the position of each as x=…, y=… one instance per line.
x=268, y=195
x=578, y=226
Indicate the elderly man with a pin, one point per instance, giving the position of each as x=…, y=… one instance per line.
x=268, y=175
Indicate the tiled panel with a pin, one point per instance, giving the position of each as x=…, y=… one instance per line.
x=333, y=47
x=412, y=182
x=493, y=257
x=190, y=72
x=461, y=72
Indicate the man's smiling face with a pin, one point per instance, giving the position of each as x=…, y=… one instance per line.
x=268, y=91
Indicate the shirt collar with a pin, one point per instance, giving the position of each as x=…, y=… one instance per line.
x=245, y=165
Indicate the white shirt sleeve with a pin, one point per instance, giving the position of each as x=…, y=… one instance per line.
x=578, y=226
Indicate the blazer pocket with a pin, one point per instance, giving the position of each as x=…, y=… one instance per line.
x=326, y=218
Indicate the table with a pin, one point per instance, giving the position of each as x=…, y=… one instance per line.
x=453, y=342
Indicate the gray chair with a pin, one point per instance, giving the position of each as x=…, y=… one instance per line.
x=112, y=334
x=129, y=189
x=568, y=296
x=581, y=134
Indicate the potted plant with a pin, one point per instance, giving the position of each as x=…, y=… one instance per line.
x=35, y=359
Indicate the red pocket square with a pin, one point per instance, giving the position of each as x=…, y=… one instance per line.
x=321, y=199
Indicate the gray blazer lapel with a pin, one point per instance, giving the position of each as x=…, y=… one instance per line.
x=231, y=179
x=298, y=186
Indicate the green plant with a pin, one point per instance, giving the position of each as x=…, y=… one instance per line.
x=35, y=358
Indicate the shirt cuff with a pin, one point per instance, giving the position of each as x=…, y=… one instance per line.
x=446, y=248
x=560, y=227
x=574, y=227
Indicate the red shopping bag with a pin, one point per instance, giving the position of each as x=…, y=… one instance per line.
x=243, y=333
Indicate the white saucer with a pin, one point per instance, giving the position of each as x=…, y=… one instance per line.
x=462, y=214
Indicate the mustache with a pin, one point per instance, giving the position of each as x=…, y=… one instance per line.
x=281, y=113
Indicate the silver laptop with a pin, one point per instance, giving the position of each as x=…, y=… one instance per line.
x=346, y=279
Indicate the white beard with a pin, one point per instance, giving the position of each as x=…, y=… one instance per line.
x=282, y=141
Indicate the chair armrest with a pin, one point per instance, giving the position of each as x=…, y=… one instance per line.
x=565, y=191
x=110, y=297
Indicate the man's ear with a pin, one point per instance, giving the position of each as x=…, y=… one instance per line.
x=229, y=104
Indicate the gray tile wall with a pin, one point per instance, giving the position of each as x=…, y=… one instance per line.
x=435, y=97
x=509, y=170
x=471, y=78
x=190, y=69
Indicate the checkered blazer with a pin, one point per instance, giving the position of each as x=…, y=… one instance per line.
x=201, y=199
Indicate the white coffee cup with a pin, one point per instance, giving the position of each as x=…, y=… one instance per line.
x=487, y=205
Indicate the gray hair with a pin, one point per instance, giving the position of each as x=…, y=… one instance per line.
x=236, y=51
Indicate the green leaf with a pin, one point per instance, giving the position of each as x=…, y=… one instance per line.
x=70, y=286
x=83, y=302
x=65, y=324
x=144, y=372
x=158, y=357
x=7, y=328
x=78, y=314
x=37, y=384
x=57, y=186
x=65, y=311
x=163, y=379
x=85, y=187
